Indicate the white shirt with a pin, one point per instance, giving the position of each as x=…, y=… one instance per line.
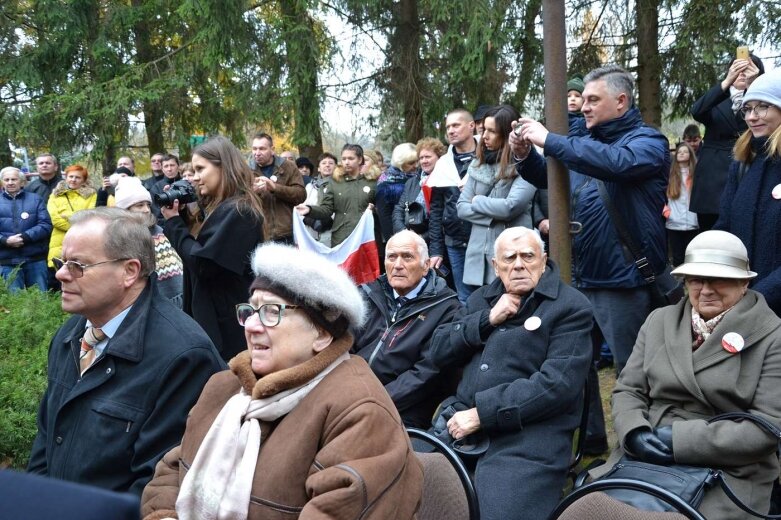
x=109, y=329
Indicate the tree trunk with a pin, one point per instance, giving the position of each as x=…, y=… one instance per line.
x=303, y=65
x=405, y=73
x=649, y=65
x=153, y=112
x=6, y=157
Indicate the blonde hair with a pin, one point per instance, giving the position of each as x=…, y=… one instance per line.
x=743, y=152
x=674, y=185
x=404, y=154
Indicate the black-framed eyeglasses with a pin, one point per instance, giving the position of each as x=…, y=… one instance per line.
x=760, y=110
x=76, y=269
x=270, y=314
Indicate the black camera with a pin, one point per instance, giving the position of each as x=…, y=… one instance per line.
x=181, y=190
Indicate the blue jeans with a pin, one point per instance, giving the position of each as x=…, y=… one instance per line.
x=457, y=256
x=29, y=274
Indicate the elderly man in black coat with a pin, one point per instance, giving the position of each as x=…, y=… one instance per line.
x=406, y=305
x=125, y=370
x=525, y=342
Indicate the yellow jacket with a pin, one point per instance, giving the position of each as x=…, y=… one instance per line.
x=63, y=203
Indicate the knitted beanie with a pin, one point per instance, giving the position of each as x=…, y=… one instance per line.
x=766, y=88
x=325, y=291
x=130, y=191
x=576, y=83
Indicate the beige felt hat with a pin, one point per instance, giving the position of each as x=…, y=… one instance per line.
x=715, y=254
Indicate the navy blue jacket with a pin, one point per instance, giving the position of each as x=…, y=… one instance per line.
x=110, y=427
x=26, y=214
x=634, y=162
x=749, y=211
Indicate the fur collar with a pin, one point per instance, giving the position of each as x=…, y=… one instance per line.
x=85, y=191
x=272, y=384
x=485, y=173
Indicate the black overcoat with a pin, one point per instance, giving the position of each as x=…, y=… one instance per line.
x=218, y=271
x=722, y=128
x=109, y=427
x=526, y=379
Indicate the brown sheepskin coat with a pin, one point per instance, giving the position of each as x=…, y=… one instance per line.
x=342, y=453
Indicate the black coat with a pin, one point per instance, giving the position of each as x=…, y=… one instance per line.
x=527, y=387
x=395, y=343
x=722, y=128
x=111, y=426
x=218, y=272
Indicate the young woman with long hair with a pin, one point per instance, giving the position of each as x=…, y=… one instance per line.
x=751, y=202
x=217, y=257
x=681, y=223
x=494, y=196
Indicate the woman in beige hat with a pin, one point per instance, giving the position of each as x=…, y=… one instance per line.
x=717, y=351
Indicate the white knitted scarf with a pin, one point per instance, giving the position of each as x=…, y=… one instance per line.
x=219, y=482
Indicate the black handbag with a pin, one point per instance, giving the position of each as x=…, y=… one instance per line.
x=688, y=482
x=415, y=218
x=665, y=289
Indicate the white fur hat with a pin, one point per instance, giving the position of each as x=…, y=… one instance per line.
x=326, y=292
x=130, y=191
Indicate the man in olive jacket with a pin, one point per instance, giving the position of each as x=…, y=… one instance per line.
x=108, y=416
x=405, y=306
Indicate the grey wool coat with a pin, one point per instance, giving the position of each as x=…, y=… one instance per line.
x=491, y=205
x=664, y=383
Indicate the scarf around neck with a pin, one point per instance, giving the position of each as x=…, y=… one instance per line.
x=702, y=329
x=737, y=99
x=219, y=482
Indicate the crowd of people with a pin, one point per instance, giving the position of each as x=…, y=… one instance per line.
x=199, y=331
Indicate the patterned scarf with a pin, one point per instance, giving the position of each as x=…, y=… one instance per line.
x=701, y=328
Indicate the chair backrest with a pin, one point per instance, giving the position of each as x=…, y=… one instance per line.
x=605, y=507
x=581, y=503
x=448, y=492
x=443, y=495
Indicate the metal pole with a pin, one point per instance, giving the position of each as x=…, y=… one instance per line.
x=555, y=61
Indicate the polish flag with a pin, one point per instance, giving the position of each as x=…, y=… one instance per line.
x=357, y=254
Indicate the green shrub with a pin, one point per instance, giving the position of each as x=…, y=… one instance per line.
x=28, y=320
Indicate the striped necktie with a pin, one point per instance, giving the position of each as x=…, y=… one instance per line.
x=92, y=336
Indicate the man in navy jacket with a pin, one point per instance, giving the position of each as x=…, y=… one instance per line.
x=25, y=228
x=109, y=421
x=633, y=161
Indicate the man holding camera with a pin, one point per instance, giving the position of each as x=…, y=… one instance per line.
x=405, y=306
x=279, y=185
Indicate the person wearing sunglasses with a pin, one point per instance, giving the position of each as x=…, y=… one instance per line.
x=125, y=369
x=751, y=202
x=297, y=427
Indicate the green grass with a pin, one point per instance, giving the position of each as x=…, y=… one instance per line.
x=28, y=320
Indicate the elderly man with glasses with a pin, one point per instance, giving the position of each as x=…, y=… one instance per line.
x=125, y=369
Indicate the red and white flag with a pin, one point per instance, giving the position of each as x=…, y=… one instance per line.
x=357, y=254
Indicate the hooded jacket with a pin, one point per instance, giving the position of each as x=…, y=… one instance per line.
x=633, y=160
x=26, y=214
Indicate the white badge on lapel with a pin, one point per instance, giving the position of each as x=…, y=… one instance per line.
x=733, y=342
x=532, y=323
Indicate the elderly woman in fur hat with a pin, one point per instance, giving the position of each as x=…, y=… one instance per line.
x=297, y=428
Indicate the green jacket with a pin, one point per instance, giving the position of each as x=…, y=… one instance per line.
x=346, y=200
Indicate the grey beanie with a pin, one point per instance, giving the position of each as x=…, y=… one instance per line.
x=325, y=291
x=766, y=88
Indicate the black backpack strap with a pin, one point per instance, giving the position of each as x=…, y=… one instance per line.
x=641, y=261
